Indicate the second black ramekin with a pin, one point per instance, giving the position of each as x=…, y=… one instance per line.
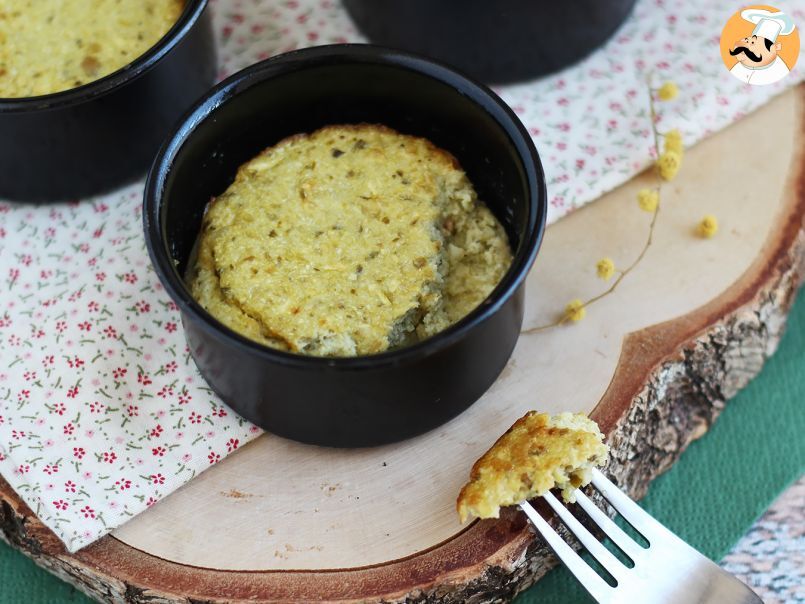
x=498, y=41
x=366, y=400
x=93, y=138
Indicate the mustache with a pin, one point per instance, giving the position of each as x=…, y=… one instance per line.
x=752, y=56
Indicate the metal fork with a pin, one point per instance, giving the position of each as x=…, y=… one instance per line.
x=668, y=571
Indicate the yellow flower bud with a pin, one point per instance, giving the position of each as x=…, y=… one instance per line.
x=648, y=199
x=605, y=268
x=673, y=141
x=668, y=91
x=707, y=227
x=575, y=311
x=668, y=164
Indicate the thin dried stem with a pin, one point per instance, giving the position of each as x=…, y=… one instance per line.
x=649, y=239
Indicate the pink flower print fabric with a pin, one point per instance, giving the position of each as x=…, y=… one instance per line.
x=102, y=411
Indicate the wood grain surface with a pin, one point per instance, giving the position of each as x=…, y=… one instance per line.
x=654, y=363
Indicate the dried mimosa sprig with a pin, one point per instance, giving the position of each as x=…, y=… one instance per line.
x=669, y=160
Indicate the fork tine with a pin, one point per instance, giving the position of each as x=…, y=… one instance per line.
x=611, y=530
x=595, y=585
x=586, y=538
x=631, y=512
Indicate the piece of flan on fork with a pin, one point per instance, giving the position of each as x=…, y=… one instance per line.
x=538, y=453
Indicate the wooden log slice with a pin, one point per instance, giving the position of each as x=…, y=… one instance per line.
x=655, y=363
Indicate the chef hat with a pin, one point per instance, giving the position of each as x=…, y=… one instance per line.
x=768, y=25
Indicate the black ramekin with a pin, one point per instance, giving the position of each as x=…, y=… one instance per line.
x=365, y=400
x=95, y=137
x=497, y=41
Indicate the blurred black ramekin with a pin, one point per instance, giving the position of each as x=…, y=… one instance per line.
x=498, y=41
x=98, y=136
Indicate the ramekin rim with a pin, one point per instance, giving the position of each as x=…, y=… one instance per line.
x=523, y=258
x=109, y=83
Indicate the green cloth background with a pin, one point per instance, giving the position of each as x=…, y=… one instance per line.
x=710, y=498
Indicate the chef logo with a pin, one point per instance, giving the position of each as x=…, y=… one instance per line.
x=760, y=45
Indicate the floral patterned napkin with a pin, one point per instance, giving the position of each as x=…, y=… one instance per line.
x=102, y=412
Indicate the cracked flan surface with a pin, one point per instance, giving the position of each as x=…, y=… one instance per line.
x=49, y=46
x=348, y=241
